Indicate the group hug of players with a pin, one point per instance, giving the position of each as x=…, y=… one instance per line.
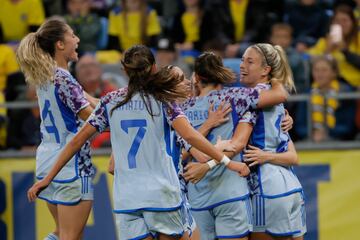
x=182, y=149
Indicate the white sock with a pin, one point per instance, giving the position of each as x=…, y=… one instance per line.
x=51, y=236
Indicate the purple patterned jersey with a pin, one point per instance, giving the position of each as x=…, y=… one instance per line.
x=145, y=177
x=72, y=95
x=100, y=116
x=242, y=99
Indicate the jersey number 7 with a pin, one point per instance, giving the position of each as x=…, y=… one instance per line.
x=134, y=123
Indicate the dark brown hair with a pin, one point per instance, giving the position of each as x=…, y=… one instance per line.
x=165, y=85
x=210, y=69
x=138, y=63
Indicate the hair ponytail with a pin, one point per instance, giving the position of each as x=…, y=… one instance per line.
x=275, y=57
x=166, y=86
x=210, y=69
x=284, y=74
x=36, y=52
x=37, y=66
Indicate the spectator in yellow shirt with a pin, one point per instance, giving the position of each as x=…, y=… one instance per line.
x=225, y=21
x=19, y=17
x=357, y=13
x=186, y=27
x=344, y=48
x=331, y=118
x=133, y=23
x=8, y=65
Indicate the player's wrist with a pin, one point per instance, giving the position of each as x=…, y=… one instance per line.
x=225, y=160
x=212, y=163
x=206, y=127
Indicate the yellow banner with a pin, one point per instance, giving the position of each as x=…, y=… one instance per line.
x=338, y=199
x=331, y=182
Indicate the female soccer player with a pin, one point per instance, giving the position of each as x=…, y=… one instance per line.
x=220, y=201
x=44, y=57
x=277, y=195
x=147, y=197
x=262, y=62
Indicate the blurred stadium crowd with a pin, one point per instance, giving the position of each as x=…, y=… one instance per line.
x=321, y=39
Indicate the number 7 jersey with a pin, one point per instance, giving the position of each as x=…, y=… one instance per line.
x=145, y=176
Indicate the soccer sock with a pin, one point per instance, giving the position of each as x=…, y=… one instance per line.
x=51, y=236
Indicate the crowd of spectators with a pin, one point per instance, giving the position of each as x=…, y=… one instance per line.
x=320, y=37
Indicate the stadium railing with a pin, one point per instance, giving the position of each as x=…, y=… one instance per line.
x=300, y=145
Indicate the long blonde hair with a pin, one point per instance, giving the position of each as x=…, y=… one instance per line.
x=275, y=57
x=36, y=52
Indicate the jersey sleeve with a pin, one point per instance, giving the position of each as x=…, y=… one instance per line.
x=184, y=144
x=172, y=112
x=259, y=88
x=249, y=116
x=262, y=86
x=99, y=117
x=72, y=94
x=243, y=99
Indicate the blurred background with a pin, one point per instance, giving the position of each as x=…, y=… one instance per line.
x=322, y=42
